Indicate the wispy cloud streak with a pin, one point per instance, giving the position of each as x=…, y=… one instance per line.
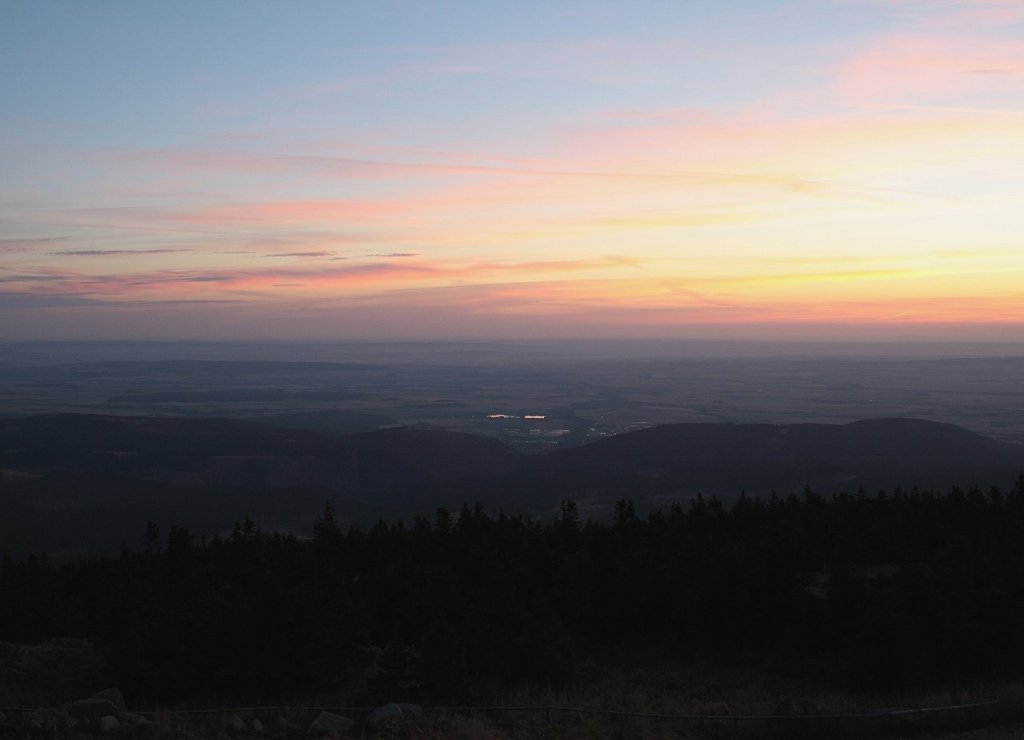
x=112, y=252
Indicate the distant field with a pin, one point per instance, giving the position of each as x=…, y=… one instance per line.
x=533, y=396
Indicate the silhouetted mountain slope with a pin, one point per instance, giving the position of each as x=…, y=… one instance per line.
x=100, y=475
x=73, y=434
x=242, y=452
x=85, y=482
x=328, y=421
x=430, y=454
x=900, y=451
x=230, y=451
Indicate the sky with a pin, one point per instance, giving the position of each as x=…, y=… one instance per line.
x=317, y=170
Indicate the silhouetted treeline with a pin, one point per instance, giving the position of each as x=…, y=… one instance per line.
x=902, y=588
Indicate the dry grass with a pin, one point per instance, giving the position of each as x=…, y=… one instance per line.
x=38, y=675
x=633, y=683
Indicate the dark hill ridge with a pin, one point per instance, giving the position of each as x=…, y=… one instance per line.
x=76, y=484
x=328, y=421
x=218, y=449
x=85, y=482
x=74, y=433
x=229, y=451
x=876, y=451
x=81, y=441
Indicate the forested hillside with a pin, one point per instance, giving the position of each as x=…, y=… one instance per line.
x=898, y=589
x=79, y=484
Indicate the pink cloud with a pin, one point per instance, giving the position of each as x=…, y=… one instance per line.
x=317, y=253
x=307, y=281
x=427, y=163
x=112, y=252
x=899, y=66
x=28, y=245
x=555, y=308
x=299, y=212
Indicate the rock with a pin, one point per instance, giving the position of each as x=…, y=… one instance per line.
x=387, y=714
x=51, y=719
x=114, y=696
x=131, y=719
x=45, y=719
x=330, y=725
x=107, y=724
x=92, y=709
x=411, y=711
x=235, y=724
x=257, y=726
x=795, y=707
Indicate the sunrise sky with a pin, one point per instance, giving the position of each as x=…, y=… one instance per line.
x=822, y=169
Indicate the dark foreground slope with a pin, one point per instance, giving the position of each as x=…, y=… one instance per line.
x=855, y=591
x=79, y=482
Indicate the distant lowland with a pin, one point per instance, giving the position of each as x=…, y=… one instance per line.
x=80, y=483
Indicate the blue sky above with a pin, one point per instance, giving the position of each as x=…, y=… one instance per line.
x=590, y=167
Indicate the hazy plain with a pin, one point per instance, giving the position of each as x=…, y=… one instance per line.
x=574, y=391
